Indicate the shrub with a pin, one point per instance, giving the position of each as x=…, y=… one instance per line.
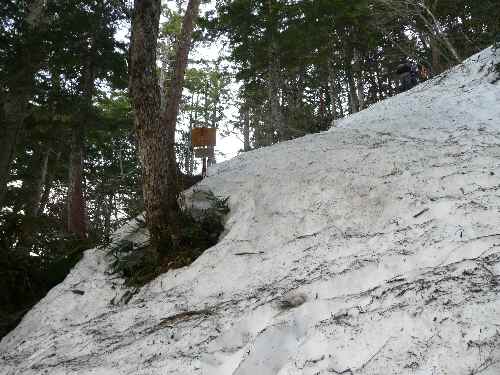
x=200, y=230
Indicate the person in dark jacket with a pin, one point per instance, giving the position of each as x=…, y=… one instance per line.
x=407, y=75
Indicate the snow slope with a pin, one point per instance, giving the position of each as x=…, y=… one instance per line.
x=373, y=248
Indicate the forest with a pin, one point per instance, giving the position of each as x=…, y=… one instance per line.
x=98, y=98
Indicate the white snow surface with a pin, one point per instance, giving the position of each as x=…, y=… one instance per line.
x=373, y=248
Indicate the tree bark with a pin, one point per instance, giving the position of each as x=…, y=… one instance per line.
x=351, y=84
x=276, y=123
x=76, y=198
x=360, y=90
x=32, y=189
x=16, y=92
x=49, y=180
x=332, y=91
x=155, y=130
x=246, y=128
x=13, y=112
x=34, y=186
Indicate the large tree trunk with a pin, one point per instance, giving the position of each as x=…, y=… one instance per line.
x=156, y=136
x=76, y=200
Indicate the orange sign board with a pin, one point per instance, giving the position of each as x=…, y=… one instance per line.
x=203, y=137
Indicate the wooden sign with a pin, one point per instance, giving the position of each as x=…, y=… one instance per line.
x=203, y=137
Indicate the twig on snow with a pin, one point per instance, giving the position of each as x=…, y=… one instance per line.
x=249, y=253
x=375, y=354
x=420, y=213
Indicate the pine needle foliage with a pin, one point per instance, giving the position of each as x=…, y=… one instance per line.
x=199, y=232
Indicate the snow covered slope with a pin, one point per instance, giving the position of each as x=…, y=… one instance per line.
x=373, y=248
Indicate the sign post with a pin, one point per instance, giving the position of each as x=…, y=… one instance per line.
x=203, y=141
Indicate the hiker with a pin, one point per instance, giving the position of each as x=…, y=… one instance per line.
x=407, y=75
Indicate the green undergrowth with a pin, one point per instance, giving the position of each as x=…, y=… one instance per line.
x=139, y=263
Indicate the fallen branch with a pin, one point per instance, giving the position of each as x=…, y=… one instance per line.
x=249, y=253
x=375, y=354
x=420, y=213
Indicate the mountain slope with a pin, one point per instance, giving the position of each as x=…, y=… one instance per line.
x=373, y=248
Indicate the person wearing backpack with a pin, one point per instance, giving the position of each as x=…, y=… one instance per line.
x=407, y=75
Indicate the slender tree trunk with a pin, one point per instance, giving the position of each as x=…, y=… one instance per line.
x=16, y=92
x=358, y=71
x=360, y=90
x=340, y=107
x=353, y=97
x=188, y=155
x=44, y=198
x=108, y=209
x=156, y=136
x=437, y=29
x=276, y=121
x=246, y=128
x=351, y=85
x=276, y=118
x=35, y=186
x=32, y=188
x=332, y=92
x=13, y=112
x=76, y=197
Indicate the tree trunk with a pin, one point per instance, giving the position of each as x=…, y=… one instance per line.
x=107, y=211
x=49, y=179
x=156, y=136
x=360, y=91
x=275, y=122
x=436, y=57
x=76, y=200
x=353, y=97
x=246, y=128
x=16, y=92
x=13, y=113
x=33, y=189
x=351, y=84
x=76, y=197
x=332, y=92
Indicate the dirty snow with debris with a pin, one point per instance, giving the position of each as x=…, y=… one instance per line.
x=373, y=248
